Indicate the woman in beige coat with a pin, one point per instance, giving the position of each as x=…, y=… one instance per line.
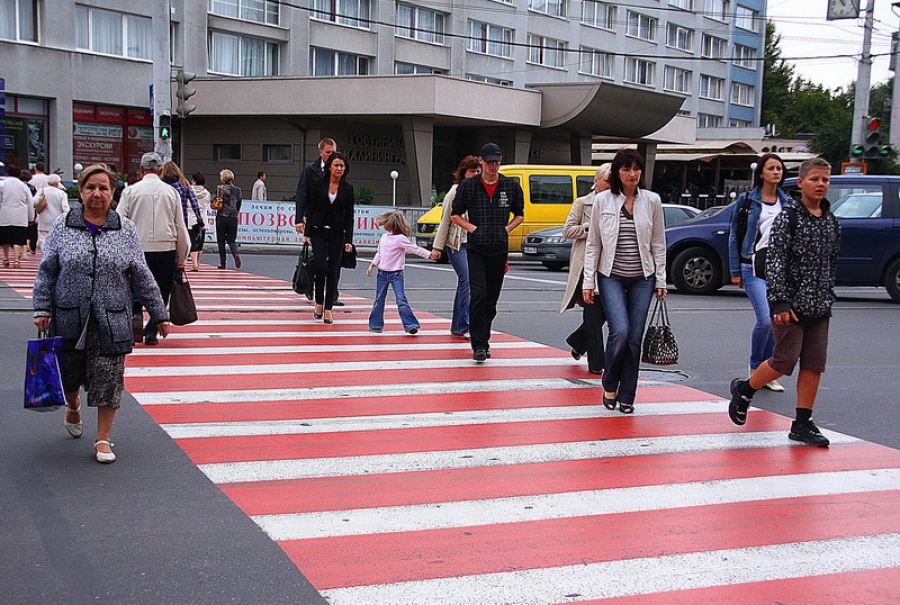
x=452, y=238
x=587, y=339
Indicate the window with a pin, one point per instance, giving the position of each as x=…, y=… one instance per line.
x=641, y=26
x=18, y=20
x=676, y=79
x=745, y=56
x=260, y=11
x=598, y=14
x=550, y=189
x=857, y=202
x=714, y=9
x=638, y=71
x=227, y=153
x=555, y=8
x=745, y=18
x=679, y=37
x=354, y=13
x=712, y=88
x=682, y=4
x=546, y=51
x=713, y=47
x=420, y=24
x=112, y=33
x=595, y=63
x=324, y=62
x=409, y=68
x=277, y=154
x=490, y=39
x=705, y=120
x=742, y=94
x=242, y=56
x=735, y=123
x=478, y=78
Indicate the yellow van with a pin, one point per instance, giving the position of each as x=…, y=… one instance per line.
x=549, y=193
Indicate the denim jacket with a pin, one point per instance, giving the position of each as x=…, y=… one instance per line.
x=754, y=199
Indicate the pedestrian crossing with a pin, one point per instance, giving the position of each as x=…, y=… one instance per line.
x=393, y=470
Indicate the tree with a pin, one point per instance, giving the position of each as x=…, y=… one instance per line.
x=778, y=76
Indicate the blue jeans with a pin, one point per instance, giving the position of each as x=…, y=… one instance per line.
x=394, y=279
x=627, y=303
x=459, y=324
x=762, y=341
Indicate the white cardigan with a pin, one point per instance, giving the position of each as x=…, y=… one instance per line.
x=603, y=235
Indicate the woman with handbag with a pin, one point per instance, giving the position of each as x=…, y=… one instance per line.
x=329, y=228
x=93, y=261
x=190, y=205
x=752, y=219
x=49, y=203
x=198, y=186
x=587, y=339
x=625, y=258
x=227, y=205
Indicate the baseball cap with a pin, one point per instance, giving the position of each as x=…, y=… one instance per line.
x=151, y=161
x=491, y=153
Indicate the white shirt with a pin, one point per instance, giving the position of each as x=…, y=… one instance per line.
x=57, y=204
x=764, y=225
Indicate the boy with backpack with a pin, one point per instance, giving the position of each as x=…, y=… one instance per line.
x=801, y=268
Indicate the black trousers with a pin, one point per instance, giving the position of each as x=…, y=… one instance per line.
x=486, y=272
x=588, y=337
x=226, y=232
x=328, y=246
x=162, y=265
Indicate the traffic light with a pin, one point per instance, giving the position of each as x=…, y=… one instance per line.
x=873, y=149
x=165, y=126
x=184, y=93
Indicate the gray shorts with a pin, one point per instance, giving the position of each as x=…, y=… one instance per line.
x=793, y=342
x=102, y=377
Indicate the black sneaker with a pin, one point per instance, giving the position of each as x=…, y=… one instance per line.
x=807, y=432
x=480, y=355
x=376, y=330
x=151, y=340
x=737, y=407
x=413, y=331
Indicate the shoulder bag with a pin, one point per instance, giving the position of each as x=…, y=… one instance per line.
x=348, y=259
x=659, y=346
x=182, y=310
x=302, y=282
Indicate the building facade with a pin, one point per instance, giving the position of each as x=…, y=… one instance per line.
x=401, y=86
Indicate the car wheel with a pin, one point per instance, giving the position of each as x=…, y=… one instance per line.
x=554, y=265
x=892, y=280
x=696, y=271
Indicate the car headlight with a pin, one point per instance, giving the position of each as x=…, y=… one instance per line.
x=555, y=239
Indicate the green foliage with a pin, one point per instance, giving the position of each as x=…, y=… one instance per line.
x=777, y=78
x=364, y=195
x=72, y=192
x=439, y=199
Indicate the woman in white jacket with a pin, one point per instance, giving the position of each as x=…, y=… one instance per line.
x=49, y=203
x=625, y=259
x=16, y=211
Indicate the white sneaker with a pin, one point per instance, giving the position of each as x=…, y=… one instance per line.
x=774, y=386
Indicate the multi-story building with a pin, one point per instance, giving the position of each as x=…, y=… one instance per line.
x=406, y=86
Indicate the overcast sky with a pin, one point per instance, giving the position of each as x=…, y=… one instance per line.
x=836, y=45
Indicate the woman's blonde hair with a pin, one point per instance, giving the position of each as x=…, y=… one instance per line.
x=226, y=176
x=603, y=171
x=92, y=170
x=171, y=170
x=395, y=222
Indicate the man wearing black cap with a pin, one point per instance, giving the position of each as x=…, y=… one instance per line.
x=482, y=206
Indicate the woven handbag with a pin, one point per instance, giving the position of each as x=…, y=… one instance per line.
x=659, y=348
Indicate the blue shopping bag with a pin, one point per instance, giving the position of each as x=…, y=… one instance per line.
x=43, y=375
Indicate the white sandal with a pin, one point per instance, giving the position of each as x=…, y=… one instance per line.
x=105, y=457
x=75, y=428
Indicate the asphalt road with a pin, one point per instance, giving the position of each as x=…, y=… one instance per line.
x=857, y=395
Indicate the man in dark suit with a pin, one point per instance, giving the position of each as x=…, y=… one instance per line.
x=311, y=174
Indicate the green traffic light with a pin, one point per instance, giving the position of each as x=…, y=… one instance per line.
x=164, y=132
x=885, y=151
x=858, y=151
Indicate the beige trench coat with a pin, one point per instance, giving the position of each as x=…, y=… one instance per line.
x=575, y=229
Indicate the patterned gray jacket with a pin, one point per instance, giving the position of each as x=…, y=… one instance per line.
x=83, y=276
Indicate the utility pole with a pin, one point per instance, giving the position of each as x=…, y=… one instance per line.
x=162, y=77
x=895, y=95
x=863, y=77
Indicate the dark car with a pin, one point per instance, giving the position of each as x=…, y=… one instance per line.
x=553, y=250
x=868, y=208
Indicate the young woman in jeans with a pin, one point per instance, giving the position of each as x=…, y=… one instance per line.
x=626, y=258
x=754, y=213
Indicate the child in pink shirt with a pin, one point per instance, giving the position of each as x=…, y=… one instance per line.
x=390, y=261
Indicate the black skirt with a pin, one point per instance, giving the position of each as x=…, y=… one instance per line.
x=13, y=235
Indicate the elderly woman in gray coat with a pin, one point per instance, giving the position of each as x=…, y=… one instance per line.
x=93, y=261
x=587, y=339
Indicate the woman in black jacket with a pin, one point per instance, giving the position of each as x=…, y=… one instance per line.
x=228, y=217
x=329, y=228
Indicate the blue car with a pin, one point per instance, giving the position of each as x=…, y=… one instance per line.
x=868, y=208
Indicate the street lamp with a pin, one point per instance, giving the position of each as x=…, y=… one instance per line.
x=78, y=168
x=394, y=175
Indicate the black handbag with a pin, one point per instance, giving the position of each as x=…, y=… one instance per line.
x=348, y=259
x=302, y=282
x=182, y=310
x=659, y=348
